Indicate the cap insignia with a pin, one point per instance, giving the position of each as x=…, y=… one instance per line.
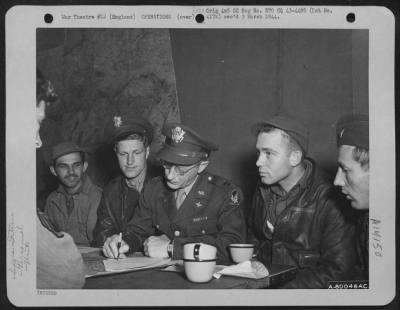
x=117, y=121
x=235, y=199
x=178, y=134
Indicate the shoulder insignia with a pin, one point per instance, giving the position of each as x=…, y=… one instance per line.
x=235, y=197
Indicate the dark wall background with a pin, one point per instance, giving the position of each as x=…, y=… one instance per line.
x=229, y=79
x=217, y=81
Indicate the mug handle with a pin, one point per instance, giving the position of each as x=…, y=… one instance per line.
x=196, y=251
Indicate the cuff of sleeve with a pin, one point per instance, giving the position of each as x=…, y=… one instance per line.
x=133, y=242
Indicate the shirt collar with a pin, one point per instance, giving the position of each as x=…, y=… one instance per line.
x=302, y=183
x=188, y=188
x=138, y=182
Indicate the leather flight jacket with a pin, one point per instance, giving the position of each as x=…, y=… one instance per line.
x=310, y=233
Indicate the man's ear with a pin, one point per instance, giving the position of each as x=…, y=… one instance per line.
x=203, y=165
x=295, y=158
x=147, y=151
x=53, y=171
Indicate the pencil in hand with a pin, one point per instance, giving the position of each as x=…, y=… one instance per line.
x=119, y=243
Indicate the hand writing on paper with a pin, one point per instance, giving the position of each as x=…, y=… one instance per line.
x=156, y=246
x=110, y=247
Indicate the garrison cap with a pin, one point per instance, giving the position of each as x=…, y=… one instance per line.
x=297, y=130
x=184, y=146
x=353, y=129
x=126, y=125
x=64, y=148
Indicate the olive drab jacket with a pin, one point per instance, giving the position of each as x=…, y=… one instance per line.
x=117, y=206
x=211, y=213
x=310, y=233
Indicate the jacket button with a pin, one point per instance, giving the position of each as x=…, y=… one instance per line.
x=158, y=226
x=203, y=232
x=177, y=233
x=209, y=178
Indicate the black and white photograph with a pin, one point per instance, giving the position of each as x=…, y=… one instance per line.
x=200, y=156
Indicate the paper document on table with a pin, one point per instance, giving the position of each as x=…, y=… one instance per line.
x=249, y=269
x=134, y=262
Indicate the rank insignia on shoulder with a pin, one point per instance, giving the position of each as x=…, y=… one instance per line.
x=198, y=204
x=235, y=197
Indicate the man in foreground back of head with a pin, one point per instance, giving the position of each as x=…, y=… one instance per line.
x=293, y=221
x=59, y=264
x=353, y=177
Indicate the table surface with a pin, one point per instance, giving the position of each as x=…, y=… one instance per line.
x=157, y=279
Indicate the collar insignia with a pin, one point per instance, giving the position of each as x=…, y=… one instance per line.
x=178, y=134
x=117, y=121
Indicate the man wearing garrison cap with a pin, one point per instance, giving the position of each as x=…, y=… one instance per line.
x=293, y=220
x=73, y=205
x=132, y=136
x=188, y=204
x=352, y=133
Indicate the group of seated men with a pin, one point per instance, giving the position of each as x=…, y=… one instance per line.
x=294, y=219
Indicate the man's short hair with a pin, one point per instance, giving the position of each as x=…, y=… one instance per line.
x=361, y=156
x=135, y=136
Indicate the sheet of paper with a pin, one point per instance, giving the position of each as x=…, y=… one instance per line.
x=249, y=269
x=134, y=262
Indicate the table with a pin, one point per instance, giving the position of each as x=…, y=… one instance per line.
x=157, y=279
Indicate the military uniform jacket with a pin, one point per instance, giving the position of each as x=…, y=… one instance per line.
x=80, y=222
x=117, y=206
x=310, y=233
x=211, y=213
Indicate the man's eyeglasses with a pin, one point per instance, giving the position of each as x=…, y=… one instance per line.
x=180, y=170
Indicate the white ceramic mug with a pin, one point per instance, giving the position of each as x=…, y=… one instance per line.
x=199, y=251
x=199, y=271
x=241, y=252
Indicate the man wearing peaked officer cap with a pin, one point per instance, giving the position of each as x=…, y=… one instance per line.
x=188, y=204
x=292, y=219
x=183, y=146
x=352, y=133
x=132, y=137
x=76, y=198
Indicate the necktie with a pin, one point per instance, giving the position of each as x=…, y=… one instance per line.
x=180, y=197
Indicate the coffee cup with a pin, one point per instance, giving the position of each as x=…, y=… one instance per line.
x=199, y=271
x=199, y=251
x=241, y=252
